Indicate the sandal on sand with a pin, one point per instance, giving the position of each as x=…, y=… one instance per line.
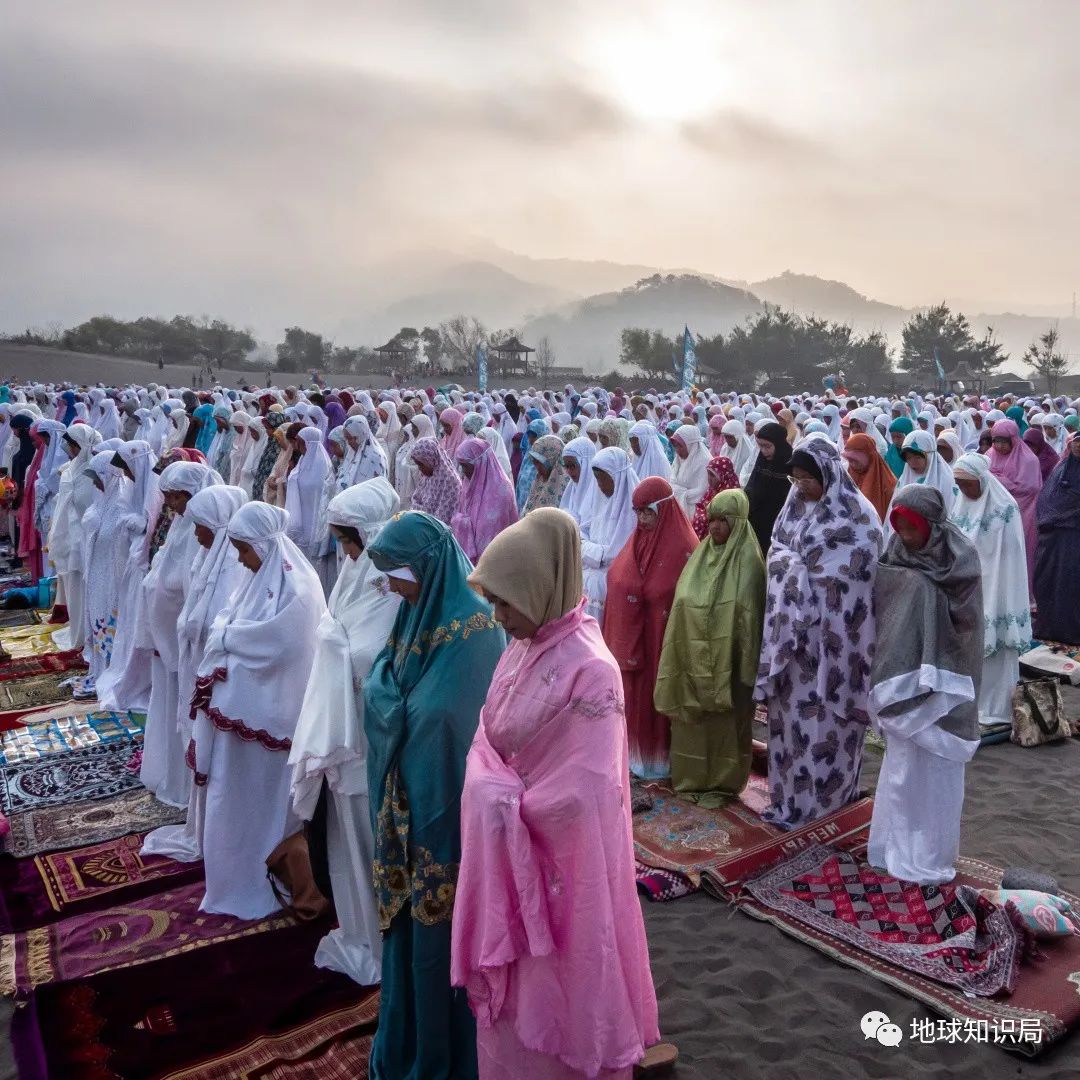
x=658, y=1059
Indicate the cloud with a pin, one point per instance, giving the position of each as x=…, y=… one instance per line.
x=734, y=135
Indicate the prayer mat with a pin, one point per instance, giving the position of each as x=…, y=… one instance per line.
x=20, y=695
x=25, y=617
x=45, y=889
x=846, y=829
x=21, y=667
x=73, y=877
x=1045, y=995
x=94, y=773
x=35, y=641
x=40, y=738
x=659, y=884
x=247, y=1005
x=949, y=933
x=342, y=1059
x=50, y=828
x=679, y=835
x=158, y=926
x=64, y=711
x=334, y=1047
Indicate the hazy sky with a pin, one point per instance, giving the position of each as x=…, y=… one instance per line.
x=251, y=159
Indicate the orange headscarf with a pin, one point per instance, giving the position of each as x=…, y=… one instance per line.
x=878, y=482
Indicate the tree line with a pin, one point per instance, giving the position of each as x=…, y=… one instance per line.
x=772, y=346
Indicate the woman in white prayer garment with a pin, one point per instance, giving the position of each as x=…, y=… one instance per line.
x=126, y=683
x=215, y=574
x=246, y=705
x=989, y=517
x=329, y=750
x=164, y=771
x=75, y=495
x=689, y=478
x=612, y=522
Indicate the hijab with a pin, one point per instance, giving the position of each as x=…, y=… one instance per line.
x=993, y=524
x=877, y=482
x=647, y=568
x=893, y=458
x=329, y=743
x=547, y=541
x=436, y=494
x=768, y=485
x=486, y=504
x=721, y=474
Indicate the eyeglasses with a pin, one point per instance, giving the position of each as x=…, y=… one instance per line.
x=799, y=481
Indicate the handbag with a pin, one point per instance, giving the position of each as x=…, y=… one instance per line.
x=1038, y=713
x=288, y=869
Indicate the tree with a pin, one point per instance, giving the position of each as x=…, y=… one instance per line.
x=1043, y=358
x=545, y=361
x=868, y=362
x=649, y=350
x=951, y=335
x=432, y=341
x=301, y=350
x=461, y=336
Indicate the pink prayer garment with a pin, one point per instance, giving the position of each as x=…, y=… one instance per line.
x=548, y=938
x=1019, y=471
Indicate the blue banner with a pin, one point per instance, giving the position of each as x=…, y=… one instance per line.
x=481, y=368
x=689, y=360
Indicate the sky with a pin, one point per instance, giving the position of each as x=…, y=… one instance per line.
x=260, y=161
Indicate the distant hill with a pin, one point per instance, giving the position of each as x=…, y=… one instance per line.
x=438, y=292
x=809, y=295
x=586, y=334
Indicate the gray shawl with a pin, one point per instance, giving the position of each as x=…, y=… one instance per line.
x=930, y=622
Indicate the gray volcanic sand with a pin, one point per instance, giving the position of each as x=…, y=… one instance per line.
x=742, y=1000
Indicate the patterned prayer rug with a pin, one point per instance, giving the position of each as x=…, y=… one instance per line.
x=1046, y=992
x=846, y=829
x=86, y=873
x=245, y=1005
x=19, y=617
x=50, y=828
x=659, y=884
x=158, y=926
x=342, y=1059
x=40, y=738
x=949, y=933
x=334, y=1047
x=42, y=890
x=681, y=836
x=21, y=667
x=94, y=773
x=33, y=692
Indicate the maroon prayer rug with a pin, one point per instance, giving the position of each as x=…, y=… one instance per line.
x=71, y=877
x=22, y=667
x=157, y=926
x=241, y=1008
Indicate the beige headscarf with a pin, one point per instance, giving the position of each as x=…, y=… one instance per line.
x=534, y=565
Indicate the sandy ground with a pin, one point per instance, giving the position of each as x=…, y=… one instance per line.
x=742, y=1000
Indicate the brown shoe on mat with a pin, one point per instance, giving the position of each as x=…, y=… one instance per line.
x=658, y=1059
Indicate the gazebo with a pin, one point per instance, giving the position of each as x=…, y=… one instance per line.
x=393, y=352
x=513, y=356
x=963, y=380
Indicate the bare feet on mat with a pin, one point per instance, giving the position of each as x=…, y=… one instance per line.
x=658, y=1059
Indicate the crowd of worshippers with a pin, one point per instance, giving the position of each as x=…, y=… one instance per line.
x=310, y=594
